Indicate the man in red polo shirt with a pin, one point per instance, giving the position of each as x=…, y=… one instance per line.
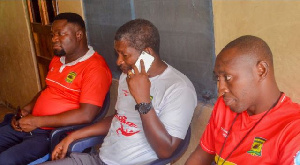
x=253, y=122
x=77, y=82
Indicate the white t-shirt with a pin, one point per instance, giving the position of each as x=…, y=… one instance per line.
x=174, y=100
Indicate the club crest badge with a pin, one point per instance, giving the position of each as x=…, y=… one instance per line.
x=256, y=147
x=71, y=76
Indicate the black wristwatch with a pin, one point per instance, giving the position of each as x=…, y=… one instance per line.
x=143, y=108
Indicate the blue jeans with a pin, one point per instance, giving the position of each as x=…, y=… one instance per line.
x=21, y=147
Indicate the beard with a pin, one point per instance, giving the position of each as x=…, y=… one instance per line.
x=59, y=53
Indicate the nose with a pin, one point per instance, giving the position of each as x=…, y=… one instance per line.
x=54, y=38
x=120, y=60
x=222, y=87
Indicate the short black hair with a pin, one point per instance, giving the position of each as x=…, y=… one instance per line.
x=71, y=17
x=140, y=34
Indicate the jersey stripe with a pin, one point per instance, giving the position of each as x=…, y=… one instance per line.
x=62, y=85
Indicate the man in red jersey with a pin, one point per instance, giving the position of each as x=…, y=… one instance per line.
x=253, y=122
x=77, y=82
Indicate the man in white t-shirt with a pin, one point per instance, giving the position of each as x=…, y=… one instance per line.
x=153, y=109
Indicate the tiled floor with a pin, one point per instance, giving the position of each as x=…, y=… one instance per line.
x=3, y=111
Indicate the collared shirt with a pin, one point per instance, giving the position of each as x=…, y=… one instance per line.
x=274, y=140
x=85, y=80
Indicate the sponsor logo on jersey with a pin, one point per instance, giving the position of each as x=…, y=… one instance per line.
x=256, y=147
x=70, y=77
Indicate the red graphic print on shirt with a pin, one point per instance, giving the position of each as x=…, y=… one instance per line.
x=130, y=128
x=126, y=93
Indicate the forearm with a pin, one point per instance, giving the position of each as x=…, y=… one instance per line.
x=67, y=118
x=158, y=137
x=200, y=157
x=97, y=129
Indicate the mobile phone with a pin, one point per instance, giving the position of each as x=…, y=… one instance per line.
x=18, y=114
x=147, y=58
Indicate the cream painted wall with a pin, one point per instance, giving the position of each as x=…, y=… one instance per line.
x=276, y=22
x=18, y=78
x=74, y=6
x=18, y=72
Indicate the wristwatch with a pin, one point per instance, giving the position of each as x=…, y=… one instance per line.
x=143, y=108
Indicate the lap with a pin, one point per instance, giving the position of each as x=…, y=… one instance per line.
x=78, y=159
x=9, y=137
x=21, y=147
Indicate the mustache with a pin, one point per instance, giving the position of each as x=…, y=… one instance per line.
x=124, y=68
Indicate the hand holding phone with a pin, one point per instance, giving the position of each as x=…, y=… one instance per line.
x=147, y=58
x=139, y=83
x=18, y=116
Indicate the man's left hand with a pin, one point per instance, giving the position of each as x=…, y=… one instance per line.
x=139, y=84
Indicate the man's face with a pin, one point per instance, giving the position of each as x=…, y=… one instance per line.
x=127, y=56
x=236, y=80
x=63, y=37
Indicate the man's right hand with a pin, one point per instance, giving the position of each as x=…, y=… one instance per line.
x=15, y=123
x=61, y=148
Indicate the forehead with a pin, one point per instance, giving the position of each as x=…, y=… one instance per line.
x=62, y=25
x=230, y=61
x=118, y=45
x=123, y=46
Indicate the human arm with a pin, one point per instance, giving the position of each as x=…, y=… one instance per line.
x=99, y=128
x=27, y=109
x=156, y=129
x=92, y=85
x=158, y=137
x=84, y=114
x=200, y=157
x=289, y=148
x=205, y=150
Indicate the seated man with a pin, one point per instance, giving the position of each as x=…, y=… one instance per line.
x=154, y=108
x=252, y=121
x=77, y=82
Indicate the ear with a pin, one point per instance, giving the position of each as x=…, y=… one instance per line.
x=150, y=51
x=79, y=35
x=262, y=69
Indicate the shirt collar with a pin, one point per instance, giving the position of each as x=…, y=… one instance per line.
x=88, y=54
